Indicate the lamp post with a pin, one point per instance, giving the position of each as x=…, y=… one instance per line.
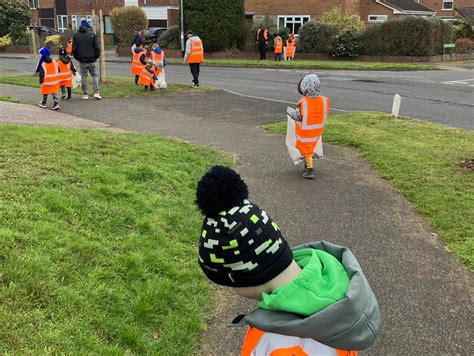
x=181, y=10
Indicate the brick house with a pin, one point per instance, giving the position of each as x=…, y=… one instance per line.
x=291, y=14
x=64, y=14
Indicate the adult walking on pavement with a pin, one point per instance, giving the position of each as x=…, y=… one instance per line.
x=194, y=55
x=86, y=51
x=262, y=41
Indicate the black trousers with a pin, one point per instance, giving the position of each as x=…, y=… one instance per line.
x=262, y=48
x=195, y=68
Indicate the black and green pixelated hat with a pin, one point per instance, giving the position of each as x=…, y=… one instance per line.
x=240, y=245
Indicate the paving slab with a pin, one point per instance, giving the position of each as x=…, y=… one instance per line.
x=425, y=294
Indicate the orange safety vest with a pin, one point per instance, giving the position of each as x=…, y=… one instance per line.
x=158, y=58
x=50, y=83
x=279, y=45
x=137, y=66
x=265, y=34
x=65, y=74
x=314, y=113
x=69, y=47
x=146, y=78
x=293, y=346
x=197, y=51
x=290, y=49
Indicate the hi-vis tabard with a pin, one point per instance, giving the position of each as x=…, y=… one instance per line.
x=158, y=59
x=137, y=66
x=51, y=79
x=197, y=50
x=303, y=138
x=146, y=78
x=290, y=49
x=279, y=45
x=260, y=343
x=65, y=74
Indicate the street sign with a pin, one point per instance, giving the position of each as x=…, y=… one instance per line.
x=449, y=45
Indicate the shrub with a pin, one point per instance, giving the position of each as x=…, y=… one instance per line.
x=126, y=20
x=24, y=39
x=15, y=16
x=170, y=38
x=346, y=45
x=5, y=41
x=464, y=46
x=341, y=21
x=464, y=29
x=55, y=39
x=412, y=36
x=316, y=37
x=200, y=16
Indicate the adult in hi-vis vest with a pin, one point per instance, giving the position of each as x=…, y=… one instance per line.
x=194, y=55
x=262, y=42
x=306, y=124
x=312, y=300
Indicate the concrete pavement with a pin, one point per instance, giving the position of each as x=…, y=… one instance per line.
x=425, y=294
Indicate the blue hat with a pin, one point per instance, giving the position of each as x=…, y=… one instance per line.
x=85, y=23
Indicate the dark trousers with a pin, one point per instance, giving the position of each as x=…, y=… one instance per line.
x=136, y=79
x=195, y=69
x=262, y=48
x=69, y=91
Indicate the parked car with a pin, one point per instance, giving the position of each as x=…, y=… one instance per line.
x=44, y=30
x=152, y=34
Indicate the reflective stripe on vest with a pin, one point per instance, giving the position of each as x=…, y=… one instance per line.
x=279, y=46
x=137, y=66
x=258, y=342
x=51, y=73
x=64, y=71
x=197, y=50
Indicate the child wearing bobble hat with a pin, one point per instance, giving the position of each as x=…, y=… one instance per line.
x=312, y=300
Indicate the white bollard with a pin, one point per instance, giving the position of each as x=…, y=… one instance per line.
x=397, y=100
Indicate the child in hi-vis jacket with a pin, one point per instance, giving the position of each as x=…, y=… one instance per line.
x=305, y=132
x=312, y=300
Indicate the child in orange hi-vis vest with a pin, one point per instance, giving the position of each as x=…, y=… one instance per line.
x=147, y=76
x=49, y=82
x=312, y=300
x=66, y=72
x=306, y=124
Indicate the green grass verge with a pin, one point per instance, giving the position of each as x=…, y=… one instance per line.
x=422, y=160
x=98, y=236
x=115, y=87
x=9, y=99
x=310, y=64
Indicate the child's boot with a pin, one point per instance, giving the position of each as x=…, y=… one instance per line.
x=56, y=106
x=308, y=172
x=42, y=103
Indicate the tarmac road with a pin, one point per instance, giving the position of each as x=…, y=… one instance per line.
x=443, y=96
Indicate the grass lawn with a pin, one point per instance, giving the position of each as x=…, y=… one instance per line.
x=311, y=64
x=9, y=99
x=115, y=87
x=422, y=160
x=98, y=236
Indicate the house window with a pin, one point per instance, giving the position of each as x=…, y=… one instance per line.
x=76, y=21
x=292, y=23
x=377, y=18
x=448, y=5
x=34, y=4
x=62, y=23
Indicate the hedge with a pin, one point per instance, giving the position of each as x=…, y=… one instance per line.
x=200, y=17
x=316, y=37
x=412, y=36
